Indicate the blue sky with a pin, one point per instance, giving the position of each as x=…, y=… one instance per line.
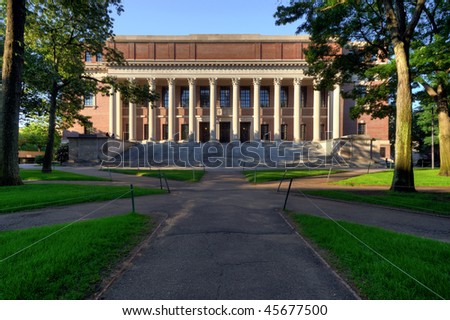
x=181, y=17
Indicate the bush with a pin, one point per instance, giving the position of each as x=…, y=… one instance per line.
x=62, y=154
x=39, y=159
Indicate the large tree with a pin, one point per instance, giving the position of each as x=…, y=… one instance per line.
x=58, y=34
x=430, y=60
x=350, y=37
x=12, y=86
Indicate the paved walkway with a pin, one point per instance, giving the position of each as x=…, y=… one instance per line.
x=226, y=239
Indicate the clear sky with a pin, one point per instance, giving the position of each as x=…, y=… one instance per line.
x=182, y=17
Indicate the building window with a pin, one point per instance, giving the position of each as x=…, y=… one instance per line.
x=264, y=97
x=324, y=99
x=303, y=132
x=361, y=128
x=245, y=97
x=184, y=99
x=165, y=95
x=303, y=96
x=284, y=131
x=284, y=97
x=383, y=152
x=265, y=135
x=224, y=97
x=88, y=57
x=165, y=132
x=89, y=100
x=145, y=131
x=184, y=131
x=99, y=57
x=204, y=97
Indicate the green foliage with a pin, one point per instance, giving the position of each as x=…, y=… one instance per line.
x=422, y=259
x=69, y=264
x=39, y=159
x=62, y=153
x=33, y=136
x=58, y=35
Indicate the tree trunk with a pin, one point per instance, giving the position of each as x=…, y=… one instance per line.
x=12, y=87
x=403, y=179
x=444, y=136
x=48, y=156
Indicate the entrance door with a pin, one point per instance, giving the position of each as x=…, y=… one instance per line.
x=204, y=131
x=245, y=131
x=224, y=132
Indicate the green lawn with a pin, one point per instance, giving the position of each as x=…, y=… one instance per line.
x=422, y=177
x=71, y=262
x=425, y=260
x=32, y=196
x=34, y=175
x=170, y=174
x=421, y=201
x=277, y=174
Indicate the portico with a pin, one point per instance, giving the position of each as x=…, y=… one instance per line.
x=219, y=88
x=277, y=107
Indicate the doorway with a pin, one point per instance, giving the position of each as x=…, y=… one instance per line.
x=245, y=131
x=224, y=132
x=204, y=131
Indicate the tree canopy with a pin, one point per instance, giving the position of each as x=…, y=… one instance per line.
x=368, y=43
x=58, y=34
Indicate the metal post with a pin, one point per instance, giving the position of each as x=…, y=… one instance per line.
x=132, y=199
x=281, y=181
x=432, y=138
x=160, y=179
x=167, y=185
x=368, y=168
x=254, y=176
x=287, y=194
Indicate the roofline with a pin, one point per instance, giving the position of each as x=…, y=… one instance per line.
x=213, y=38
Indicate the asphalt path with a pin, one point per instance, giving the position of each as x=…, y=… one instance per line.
x=224, y=238
x=225, y=242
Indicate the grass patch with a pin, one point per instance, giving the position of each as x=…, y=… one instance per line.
x=35, y=175
x=170, y=174
x=420, y=201
x=425, y=260
x=422, y=178
x=277, y=174
x=33, y=196
x=69, y=264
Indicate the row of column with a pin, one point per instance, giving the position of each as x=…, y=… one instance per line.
x=115, y=111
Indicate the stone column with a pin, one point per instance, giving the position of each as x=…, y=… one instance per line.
x=336, y=112
x=119, y=127
x=112, y=112
x=256, y=109
x=171, y=109
x=192, y=105
x=151, y=119
x=235, y=121
x=212, y=109
x=316, y=116
x=131, y=121
x=297, y=110
x=277, y=109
